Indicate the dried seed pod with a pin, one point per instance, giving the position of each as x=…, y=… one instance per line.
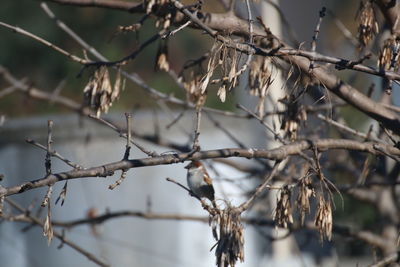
x=48, y=227
x=389, y=54
x=230, y=246
x=162, y=57
x=292, y=117
x=149, y=4
x=213, y=62
x=194, y=93
x=259, y=81
x=131, y=28
x=98, y=94
x=222, y=92
x=283, y=212
x=303, y=199
x=323, y=218
x=214, y=222
x=368, y=25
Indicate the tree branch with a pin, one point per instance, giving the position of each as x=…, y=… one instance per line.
x=273, y=154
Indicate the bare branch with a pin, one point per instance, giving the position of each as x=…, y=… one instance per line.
x=60, y=236
x=43, y=41
x=275, y=154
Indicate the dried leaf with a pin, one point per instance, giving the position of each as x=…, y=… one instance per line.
x=323, y=218
x=47, y=226
x=368, y=25
x=222, y=93
x=292, y=117
x=162, y=62
x=306, y=191
x=212, y=64
x=99, y=95
x=389, y=55
x=117, y=87
x=193, y=91
x=230, y=246
x=259, y=81
x=283, y=212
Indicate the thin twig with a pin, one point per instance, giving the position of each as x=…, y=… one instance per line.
x=347, y=129
x=60, y=236
x=123, y=135
x=176, y=119
x=386, y=261
x=46, y=43
x=8, y=90
x=315, y=36
x=196, y=144
x=245, y=205
x=171, y=33
x=48, y=163
x=54, y=153
x=128, y=117
x=191, y=193
x=48, y=149
x=269, y=128
x=63, y=194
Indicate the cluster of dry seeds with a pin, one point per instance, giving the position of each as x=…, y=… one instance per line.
x=192, y=86
x=162, y=57
x=389, y=54
x=293, y=116
x=149, y=4
x=283, y=212
x=230, y=246
x=368, y=25
x=99, y=95
x=306, y=191
x=260, y=80
x=323, y=217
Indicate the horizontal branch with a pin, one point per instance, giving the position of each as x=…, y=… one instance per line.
x=394, y=257
x=34, y=220
x=366, y=236
x=113, y=4
x=120, y=214
x=279, y=153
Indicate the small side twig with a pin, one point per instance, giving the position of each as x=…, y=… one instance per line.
x=173, y=32
x=269, y=128
x=387, y=260
x=63, y=194
x=191, y=193
x=49, y=142
x=265, y=185
x=54, y=153
x=347, y=129
x=60, y=236
x=47, y=163
x=315, y=37
x=118, y=130
x=196, y=143
x=176, y=119
x=127, y=151
x=45, y=42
